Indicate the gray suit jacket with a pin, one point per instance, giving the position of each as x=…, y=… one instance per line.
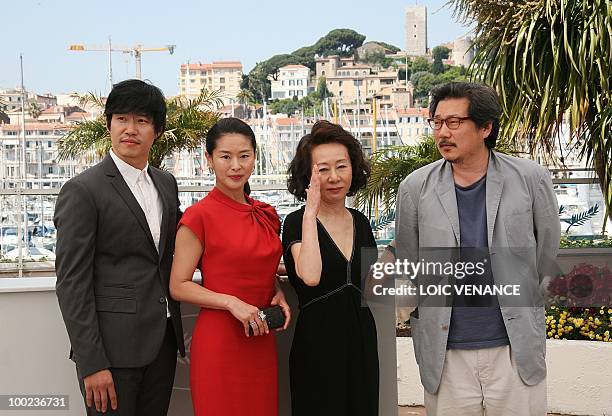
x=523, y=238
x=112, y=284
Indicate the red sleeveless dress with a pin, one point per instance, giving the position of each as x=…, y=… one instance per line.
x=231, y=374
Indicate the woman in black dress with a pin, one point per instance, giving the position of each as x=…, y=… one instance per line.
x=334, y=358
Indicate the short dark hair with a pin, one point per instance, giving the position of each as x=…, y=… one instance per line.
x=138, y=97
x=230, y=125
x=324, y=132
x=484, y=104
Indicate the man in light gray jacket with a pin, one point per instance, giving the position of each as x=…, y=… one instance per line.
x=473, y=356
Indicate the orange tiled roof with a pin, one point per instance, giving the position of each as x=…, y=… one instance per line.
x=286, y=121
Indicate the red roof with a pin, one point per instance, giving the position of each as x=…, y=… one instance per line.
x=286, y=121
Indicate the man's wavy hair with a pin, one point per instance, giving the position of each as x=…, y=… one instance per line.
x=324, y=132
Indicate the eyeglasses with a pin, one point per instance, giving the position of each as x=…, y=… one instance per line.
x=452, y=123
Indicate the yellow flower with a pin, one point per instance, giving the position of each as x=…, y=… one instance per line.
x=610, y=311
x=550, y=333
x=556, y=336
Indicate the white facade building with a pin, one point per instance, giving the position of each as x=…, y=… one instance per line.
x=292, y=81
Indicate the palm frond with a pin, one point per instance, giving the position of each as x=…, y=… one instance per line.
x=187, y=123
x=550, y=61
x=381, y=222
x=85, y=137
x=389, y=167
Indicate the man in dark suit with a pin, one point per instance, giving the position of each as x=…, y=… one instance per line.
x=116, y=226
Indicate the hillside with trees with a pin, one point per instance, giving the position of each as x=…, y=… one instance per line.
x=341, y=42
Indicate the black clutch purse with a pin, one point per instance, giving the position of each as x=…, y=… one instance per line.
x=275, y=318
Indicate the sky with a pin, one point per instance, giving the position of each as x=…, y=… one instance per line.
x=203, y=31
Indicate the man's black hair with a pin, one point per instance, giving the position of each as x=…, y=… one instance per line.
x=137, y=97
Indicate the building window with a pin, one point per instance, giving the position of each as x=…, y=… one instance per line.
x=323, y=73
x=222, y=80
x=49, y=143
x=339, y=83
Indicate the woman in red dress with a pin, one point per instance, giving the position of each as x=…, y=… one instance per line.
x=234, y=241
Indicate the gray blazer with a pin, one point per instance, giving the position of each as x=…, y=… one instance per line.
x=112, y=284
x=523, y=238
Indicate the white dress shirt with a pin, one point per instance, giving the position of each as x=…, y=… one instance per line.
x=144, y=191
x=146, y=194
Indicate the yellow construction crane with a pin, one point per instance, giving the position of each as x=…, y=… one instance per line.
x=135, y=51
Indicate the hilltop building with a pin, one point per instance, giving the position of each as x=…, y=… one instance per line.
x=416, y=30
x=291, y=81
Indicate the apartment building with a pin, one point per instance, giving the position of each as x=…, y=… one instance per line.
x=11, y=99
x=291, y=81
x=329, y=65
x=224, y=76
x=358, y=82
x=42, y=160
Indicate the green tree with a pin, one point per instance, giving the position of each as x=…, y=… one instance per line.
x=287, y=106
x=440, y=52
x=420, y=64
x=339, y=42
x=549, y=60
x=187, y=122
x=322, y=91
x=437, y=67
x=452, y=74
x=401, y=74
x=423, y=82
